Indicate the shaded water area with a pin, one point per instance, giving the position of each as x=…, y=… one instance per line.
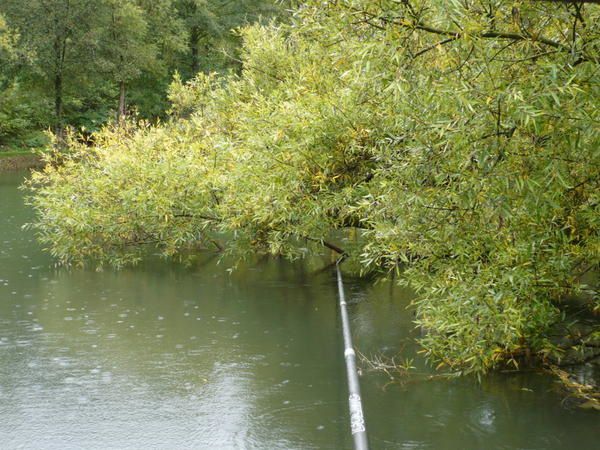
x=163, y=356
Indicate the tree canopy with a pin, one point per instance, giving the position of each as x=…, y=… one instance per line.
x=89, y=62
x=458, y=140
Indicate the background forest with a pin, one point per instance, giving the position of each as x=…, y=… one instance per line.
x=84, y=63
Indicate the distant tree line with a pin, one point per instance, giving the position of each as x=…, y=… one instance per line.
x=82, y=63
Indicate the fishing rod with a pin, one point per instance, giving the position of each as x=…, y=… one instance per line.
x=357, y=417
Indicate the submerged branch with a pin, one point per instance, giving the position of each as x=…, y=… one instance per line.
x=340, y=251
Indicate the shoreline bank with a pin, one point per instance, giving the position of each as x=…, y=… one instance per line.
x=10, y=163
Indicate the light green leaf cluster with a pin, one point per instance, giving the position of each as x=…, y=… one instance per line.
x=7, y=40
x=458, y=140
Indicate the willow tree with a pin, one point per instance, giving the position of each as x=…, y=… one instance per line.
x=458, y=140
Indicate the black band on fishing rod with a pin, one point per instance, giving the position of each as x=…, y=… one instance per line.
x=357, y=418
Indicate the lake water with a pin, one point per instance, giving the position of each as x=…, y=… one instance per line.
x=163, y=356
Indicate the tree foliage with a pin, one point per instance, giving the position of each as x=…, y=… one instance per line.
x=94, y=58
x=58, y=34
x=7, y=40
x=16, y=112
x=459, y=139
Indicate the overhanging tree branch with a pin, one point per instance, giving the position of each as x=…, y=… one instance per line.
x=416, y=24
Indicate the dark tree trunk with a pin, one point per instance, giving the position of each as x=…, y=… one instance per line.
x=194, y=38
x=122, y=107
x=58, y=107
x=60, y=53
